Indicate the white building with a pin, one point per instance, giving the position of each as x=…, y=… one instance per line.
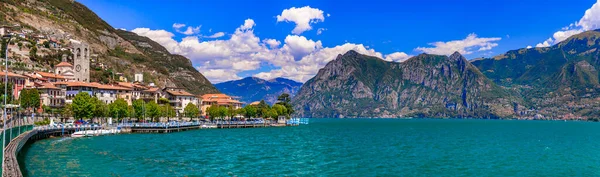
x=138, y=78
x=179, y=98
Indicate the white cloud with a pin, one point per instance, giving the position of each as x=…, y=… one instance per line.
x=178, y=25
x=397, y=57
x=320, y=30
x=218, y=75
x=309, y=65
x=464, y=46
x=220, y=60
x=299, y=46
x=163, y=37
x=216, y=35
x=248, y=24
x=190, y=30
x=589, y=21
x=273, y=43
x=529, y=47
x=303, y=17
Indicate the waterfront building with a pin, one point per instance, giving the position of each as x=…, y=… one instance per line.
x=73, y=88
x=220, y=99
x=50, y=77
x=136, y=89
x=50, y=95
x=179, y=98
x=18, y=81
x=109, y=93
x=151, y=94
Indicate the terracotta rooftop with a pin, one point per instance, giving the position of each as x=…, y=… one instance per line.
x=255, y=103
x=11, y=74
x=215, y=96
x=179, y=93
x=47, y=86
x=92, y=84
x=50, y=75
x=219, y=98
x=152, y=89
x=61, y=64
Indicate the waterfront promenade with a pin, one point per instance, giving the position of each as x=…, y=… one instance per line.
x=28, y=133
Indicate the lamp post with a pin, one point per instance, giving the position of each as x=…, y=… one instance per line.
x=5, y=95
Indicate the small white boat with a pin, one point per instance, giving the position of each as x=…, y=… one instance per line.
x=209, y=126
x=88, y=133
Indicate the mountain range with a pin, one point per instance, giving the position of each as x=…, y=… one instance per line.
x=252, y=89
x=560, y=81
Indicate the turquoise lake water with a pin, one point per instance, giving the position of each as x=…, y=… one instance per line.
x=333, y=147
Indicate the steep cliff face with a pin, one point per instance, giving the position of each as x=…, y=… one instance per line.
x=355, y=85
x=119, y=51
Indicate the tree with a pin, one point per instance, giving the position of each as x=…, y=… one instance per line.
x=241, y=111
x=33, y=52
x=213, y=112
x=152, y=110
x=284, y=99
x=100, y=108
x=271, y=113
x=26, y=99
x=118, y=109
x=231, y=112
x=138, y=107
x=262, y=108
x=3, y=47
x=191, y=110
x=67, y=111
x=9, y=92
x=280, y=109
x=46, y=44
x=163, y=101
x=250, y=111
x=168, y=111
x=83, y=106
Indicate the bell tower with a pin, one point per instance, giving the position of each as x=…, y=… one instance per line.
x=81, y=61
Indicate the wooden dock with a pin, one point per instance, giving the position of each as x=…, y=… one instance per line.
x=168, y=128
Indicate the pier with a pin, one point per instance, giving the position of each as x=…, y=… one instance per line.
x=26, y=133
x=177, y=127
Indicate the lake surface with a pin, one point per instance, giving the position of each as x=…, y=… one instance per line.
x=334, y=147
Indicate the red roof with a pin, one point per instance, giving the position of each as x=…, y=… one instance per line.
x=179, y=93
x=61, y=64
x=50, y=75
x=11, y=74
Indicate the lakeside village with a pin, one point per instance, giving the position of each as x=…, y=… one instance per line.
x=65, y=95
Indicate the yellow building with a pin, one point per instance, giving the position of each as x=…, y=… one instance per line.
x=209, y=100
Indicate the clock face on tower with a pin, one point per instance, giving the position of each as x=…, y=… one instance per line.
x=78, y=68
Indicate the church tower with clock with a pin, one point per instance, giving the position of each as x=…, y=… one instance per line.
x=81, y=61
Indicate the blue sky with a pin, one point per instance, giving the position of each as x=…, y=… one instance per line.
x=393, y=30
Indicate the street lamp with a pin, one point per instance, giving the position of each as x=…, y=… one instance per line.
x=5, y=95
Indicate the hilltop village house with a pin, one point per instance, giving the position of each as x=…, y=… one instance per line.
x=59, y=87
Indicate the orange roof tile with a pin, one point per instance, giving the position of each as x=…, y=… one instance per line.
x=125, y=84
x=179, y=93
x=47, y=86
x=11, y=74
x=151, y=89
x=61, y=64
x=50, y=75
